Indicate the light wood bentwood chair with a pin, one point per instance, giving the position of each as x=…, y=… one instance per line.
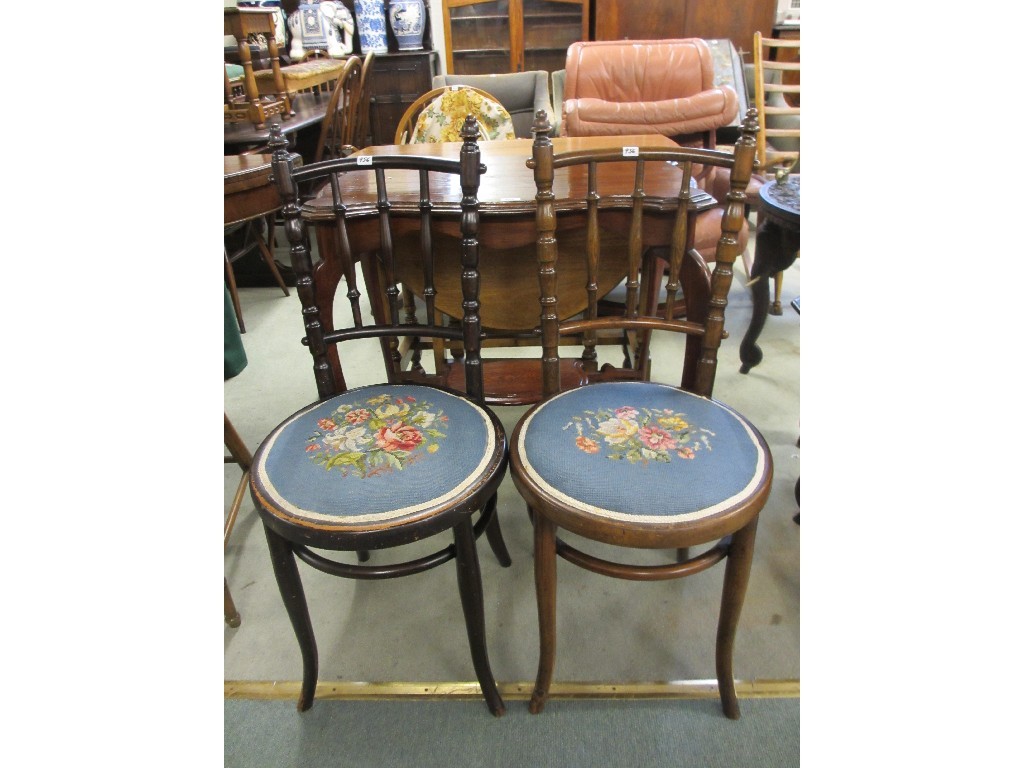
x=638, y=463
x=384, y=465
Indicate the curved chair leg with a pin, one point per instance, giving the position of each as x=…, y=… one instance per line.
x=494, y=537
x=287, y=573
x=231, y=614
x=734, y=589
x=545, y=572
x=472, y=593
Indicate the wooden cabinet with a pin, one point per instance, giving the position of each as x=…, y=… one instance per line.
x=736, y=20
x=398, y=79
x=498, y=36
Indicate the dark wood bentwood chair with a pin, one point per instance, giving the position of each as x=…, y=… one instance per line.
x=383, y=465
x=638, y=463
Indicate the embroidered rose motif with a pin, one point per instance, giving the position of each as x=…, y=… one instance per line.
x=376, y=437
x=657, y=439
x=399, y=437
x=639, y=435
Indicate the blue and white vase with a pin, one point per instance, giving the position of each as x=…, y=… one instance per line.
x=408, y=18
x=373, y=34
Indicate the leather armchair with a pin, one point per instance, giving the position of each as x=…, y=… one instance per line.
x=613, y=87
x=618, y=87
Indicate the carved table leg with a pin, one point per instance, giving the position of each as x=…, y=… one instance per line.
x=775, y=250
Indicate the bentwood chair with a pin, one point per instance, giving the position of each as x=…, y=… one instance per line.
x=633, y=463
x=384, y=465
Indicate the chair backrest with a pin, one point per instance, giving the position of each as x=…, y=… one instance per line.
x=617, y=87
x=343, y=227
x=361, y=130
x=557, y=101
x=704, y=292
x=338, y=127
x=438, y=114
x=520, y=93
x=775, y=87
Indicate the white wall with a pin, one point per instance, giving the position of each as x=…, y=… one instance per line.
x=437, y=30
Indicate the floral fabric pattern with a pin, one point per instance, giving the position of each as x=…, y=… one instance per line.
x=639, y=435
x=378, y=436
x=443, y=117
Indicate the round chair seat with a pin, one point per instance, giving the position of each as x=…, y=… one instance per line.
x=377, y=458
x=640, y=455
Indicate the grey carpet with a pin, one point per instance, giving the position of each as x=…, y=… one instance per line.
x=569, y=733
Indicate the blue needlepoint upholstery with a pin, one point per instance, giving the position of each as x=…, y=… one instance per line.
x=641, y=451
x=375, y=454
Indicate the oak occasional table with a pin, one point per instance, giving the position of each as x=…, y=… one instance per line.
x=249, y=197
x=776, y=248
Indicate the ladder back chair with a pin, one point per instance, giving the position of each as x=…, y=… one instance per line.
x=382, y=465
x=641, y=464
x=777, y=98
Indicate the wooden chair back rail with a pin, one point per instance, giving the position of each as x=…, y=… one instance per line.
x=707, y=327
x=323, y=338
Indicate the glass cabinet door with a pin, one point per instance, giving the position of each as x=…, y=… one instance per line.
x=479, y=36
x=549, y=28
x=487, y=37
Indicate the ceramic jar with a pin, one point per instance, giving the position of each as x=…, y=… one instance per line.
x=373, y=34
x=408, y=18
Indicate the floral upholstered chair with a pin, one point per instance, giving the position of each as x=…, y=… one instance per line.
x=382, y=465
x=438, y=116
x=621, y=460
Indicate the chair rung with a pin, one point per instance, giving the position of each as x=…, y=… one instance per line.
x=782, y=66
x=790, y=133
x=779, y=88
x=775, y=42
x=782, y=110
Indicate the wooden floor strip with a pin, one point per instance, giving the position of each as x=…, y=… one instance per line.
x=688, y=689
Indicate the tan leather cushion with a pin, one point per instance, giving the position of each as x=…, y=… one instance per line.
x=615, y=87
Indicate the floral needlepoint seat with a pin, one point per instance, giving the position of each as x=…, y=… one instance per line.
x=376, y=455
x=644, y=452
